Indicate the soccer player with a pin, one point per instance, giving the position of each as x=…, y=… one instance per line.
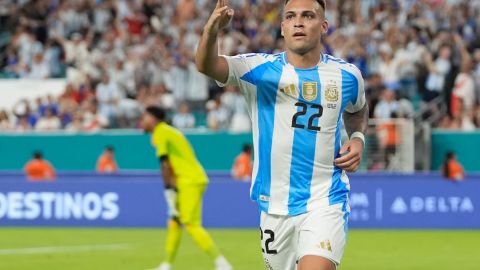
x=297, y=100
x=185, y=182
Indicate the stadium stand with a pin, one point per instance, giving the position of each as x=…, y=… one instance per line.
x=119, y=56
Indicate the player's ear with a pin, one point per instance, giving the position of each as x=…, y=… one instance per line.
x=324, y=27
x=281, y=28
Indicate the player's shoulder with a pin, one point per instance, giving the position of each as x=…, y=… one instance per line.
x=343, y=65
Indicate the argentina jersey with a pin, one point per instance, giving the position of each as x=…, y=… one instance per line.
x=296, y=123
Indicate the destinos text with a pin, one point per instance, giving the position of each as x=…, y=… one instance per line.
x=59, y=205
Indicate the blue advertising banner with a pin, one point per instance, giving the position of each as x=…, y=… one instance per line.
x=420, y=201
x=136, y=200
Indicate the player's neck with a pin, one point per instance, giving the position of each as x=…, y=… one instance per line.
x=307, y=60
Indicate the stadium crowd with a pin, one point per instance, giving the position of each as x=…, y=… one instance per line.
x=119, y=56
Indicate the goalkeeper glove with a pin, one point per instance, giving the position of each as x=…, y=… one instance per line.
x=171, y=199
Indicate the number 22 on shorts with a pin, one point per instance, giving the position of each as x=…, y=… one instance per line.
x=269, y=238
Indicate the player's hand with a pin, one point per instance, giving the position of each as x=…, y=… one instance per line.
x=171, y=199
x=351, y=155
x=220, y=18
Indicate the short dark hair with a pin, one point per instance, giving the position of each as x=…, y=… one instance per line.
x=37, y=154
x=157, y=112
x=321, y=2
x=109, y=148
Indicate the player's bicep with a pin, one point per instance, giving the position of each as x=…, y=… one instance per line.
x=220, y=72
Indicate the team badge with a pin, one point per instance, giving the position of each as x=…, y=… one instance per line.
x=290, y=90
x=309, y=91
x=331, y=91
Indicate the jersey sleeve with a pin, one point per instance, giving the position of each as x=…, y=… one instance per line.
x=357, y=85
x=160, y=144
x=242, y=68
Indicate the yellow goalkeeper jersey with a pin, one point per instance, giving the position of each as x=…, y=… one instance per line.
x=170, y=142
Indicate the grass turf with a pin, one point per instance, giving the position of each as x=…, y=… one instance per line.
x=366, y=249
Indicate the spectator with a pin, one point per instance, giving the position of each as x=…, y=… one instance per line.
x=108, y=98
x=51, y=103
x=464, y=89
x=218, y=116
x=143, y=44
x=76, y=125
x=39, y=169
x=387, y=105
x=242, y=166
x=39, y=68
x=53, y=58
x=388, y=67
x=183, y=118
x=123, y=79
x=23, y=109
x=463, y=119
x=451, y=168
x=92, y=120
x=5, y=123
x=106, y=162
x=438, y=71
x=237, y=107
x=22, y=124
x=49, y=122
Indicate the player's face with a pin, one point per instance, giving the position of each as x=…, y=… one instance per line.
x=303, y=25
x=148, y=122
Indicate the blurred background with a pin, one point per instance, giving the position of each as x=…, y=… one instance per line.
x=76, y=75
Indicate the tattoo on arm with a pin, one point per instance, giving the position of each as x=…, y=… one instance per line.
x=357, y=121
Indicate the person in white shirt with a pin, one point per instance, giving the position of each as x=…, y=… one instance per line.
x=183, y=118
x=39, y=68
x=49, y=122
x=108, y=98
x=387, y=105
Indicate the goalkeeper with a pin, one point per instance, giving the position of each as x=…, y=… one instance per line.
x=185, y=182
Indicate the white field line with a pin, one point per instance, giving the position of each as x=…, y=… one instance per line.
x=62, y=249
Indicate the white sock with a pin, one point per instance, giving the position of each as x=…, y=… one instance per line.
x=165, y=266
x=221, y=261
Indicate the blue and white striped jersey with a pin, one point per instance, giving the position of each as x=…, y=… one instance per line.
x=296, y=120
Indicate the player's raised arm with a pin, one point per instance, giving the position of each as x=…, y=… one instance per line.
x=207, y=59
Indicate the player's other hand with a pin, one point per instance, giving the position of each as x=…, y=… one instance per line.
x=220, y=17
x=350, y=155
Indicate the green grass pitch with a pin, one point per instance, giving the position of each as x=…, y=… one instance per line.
x=59, y=249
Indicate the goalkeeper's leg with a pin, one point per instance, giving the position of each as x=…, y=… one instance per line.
x=203, y=240
x=174, y=234
x=190, y=204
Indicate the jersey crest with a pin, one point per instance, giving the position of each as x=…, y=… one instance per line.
x=331, y=91
x=309, y=91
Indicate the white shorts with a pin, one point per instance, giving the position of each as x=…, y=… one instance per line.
x=321, y=232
